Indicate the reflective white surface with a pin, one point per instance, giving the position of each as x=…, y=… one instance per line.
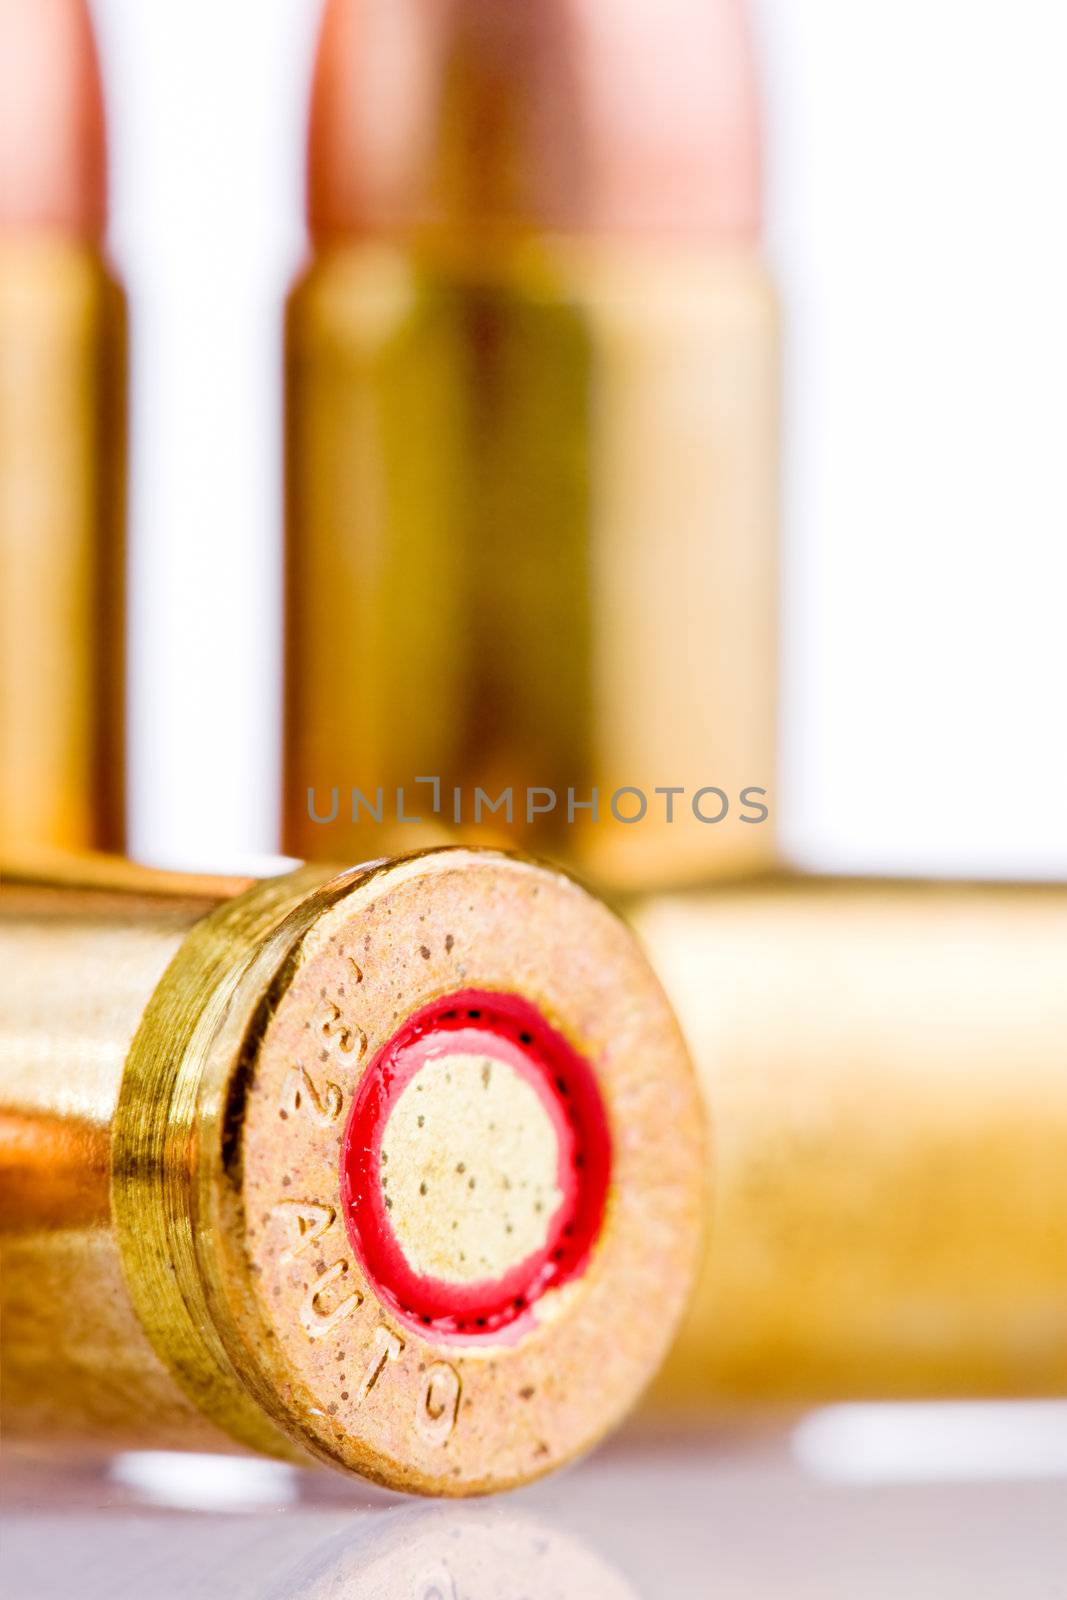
x=735, y=1516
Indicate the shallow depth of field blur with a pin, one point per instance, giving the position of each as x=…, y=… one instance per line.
x=916, y=224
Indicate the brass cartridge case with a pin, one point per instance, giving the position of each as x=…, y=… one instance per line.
x=233, y=1214
x=62, y=656
x=531, y=553
x=886, y=1065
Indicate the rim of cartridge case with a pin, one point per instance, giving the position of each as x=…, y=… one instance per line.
x=214, y=1251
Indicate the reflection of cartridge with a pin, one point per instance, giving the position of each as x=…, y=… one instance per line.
x=401, y=1170
x=454, y=1553
x=886, y=1066
x=61, y=424
x=531, y=435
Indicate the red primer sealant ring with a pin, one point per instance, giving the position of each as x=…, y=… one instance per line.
x=509, y=1029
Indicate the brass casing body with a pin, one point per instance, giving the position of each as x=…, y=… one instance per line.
x=886, y=1066
x=531, y=546
x=177, y=1062
x=62, y=448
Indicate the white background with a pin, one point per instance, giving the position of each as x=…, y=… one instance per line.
x=916, y=198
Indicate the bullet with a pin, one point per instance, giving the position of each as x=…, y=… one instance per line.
x=531, y=425
x=885, y=1070
x=399, y=1170
x=62, y=406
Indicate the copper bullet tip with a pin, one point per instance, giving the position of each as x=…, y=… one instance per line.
x=564, y=115
x=52, y=143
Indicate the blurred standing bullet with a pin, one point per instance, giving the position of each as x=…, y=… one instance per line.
x=532, y=378
x=62, y=381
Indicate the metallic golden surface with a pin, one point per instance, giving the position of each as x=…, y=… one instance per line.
x=148, y=1034
x=531, y=547
x=886, y=1067
x=62, y=404
x=532, y=440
